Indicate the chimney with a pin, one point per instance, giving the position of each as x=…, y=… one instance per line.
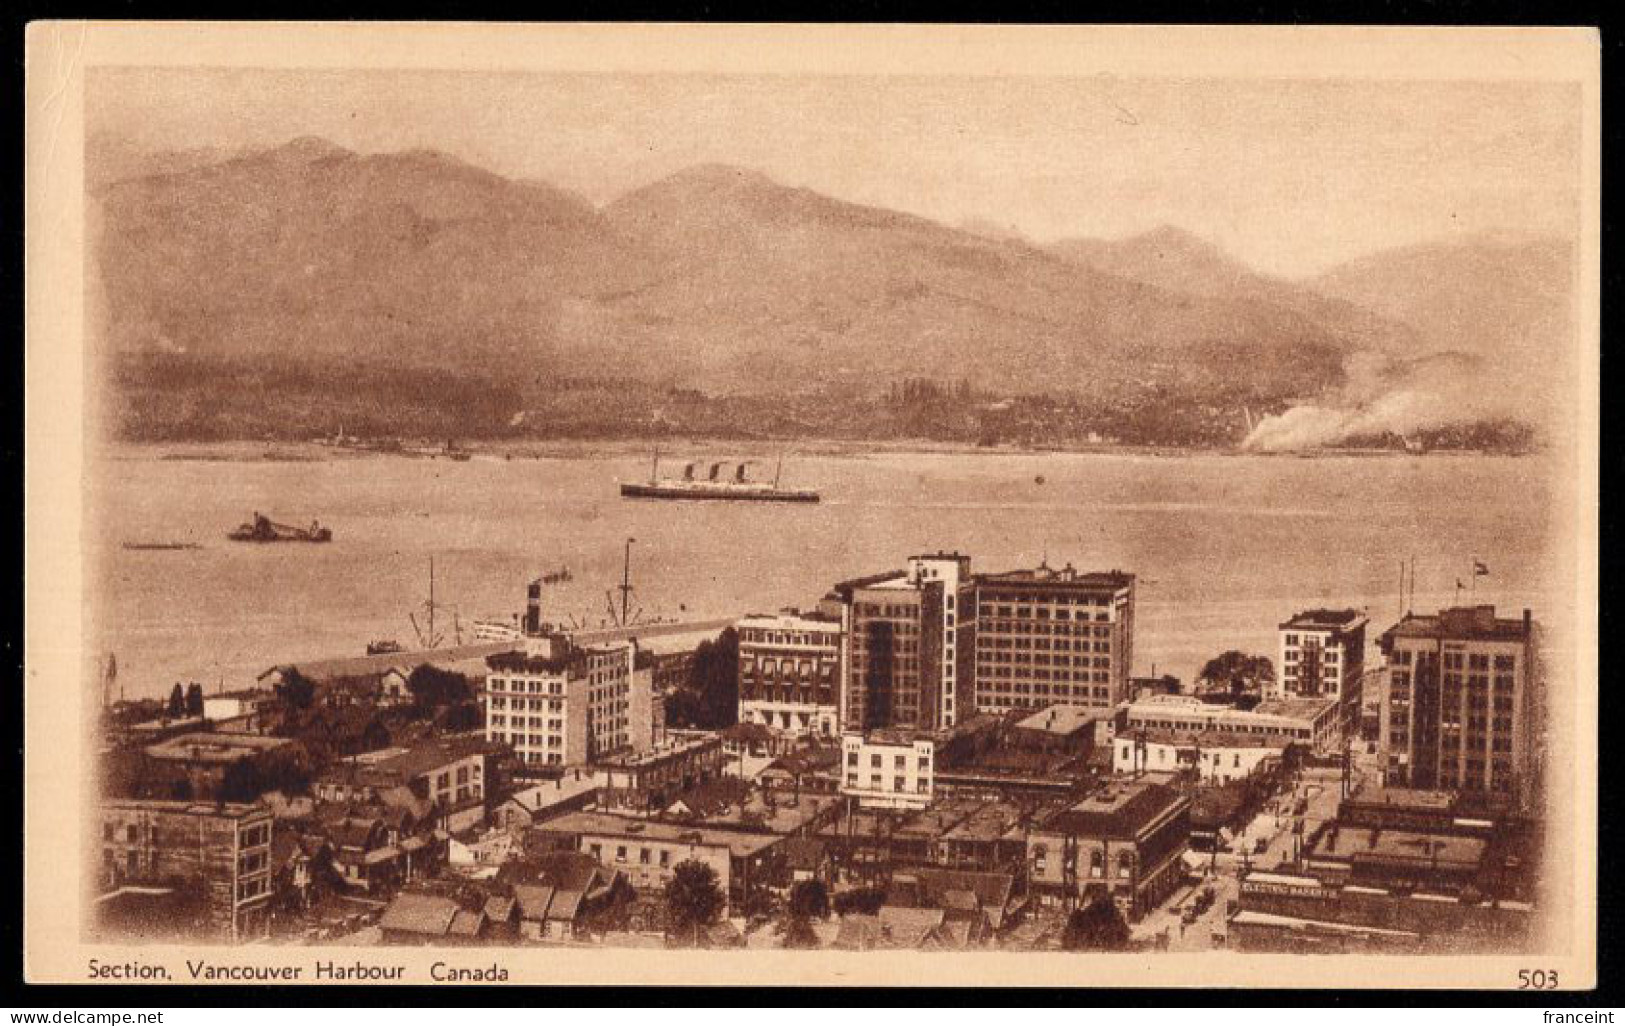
x=1528, y=624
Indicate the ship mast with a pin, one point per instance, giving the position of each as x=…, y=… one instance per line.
x=654, y=468
x=626, y=581
x=777, y=470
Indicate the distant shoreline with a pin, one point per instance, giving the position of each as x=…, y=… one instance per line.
x=533, y=449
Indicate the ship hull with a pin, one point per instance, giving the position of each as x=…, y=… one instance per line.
x=722, y=493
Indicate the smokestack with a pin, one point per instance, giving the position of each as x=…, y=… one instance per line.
x=533, y=609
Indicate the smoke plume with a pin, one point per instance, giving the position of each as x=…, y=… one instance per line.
x=1402, y=397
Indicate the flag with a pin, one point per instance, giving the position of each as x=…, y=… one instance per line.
x=1480, y=570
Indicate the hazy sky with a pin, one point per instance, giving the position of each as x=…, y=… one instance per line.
x=1292, y=176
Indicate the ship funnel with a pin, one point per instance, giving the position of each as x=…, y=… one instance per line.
x=533, y=608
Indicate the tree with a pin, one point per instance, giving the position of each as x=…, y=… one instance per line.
x=798, y=933
x=864, y=901
x=194, y=700
x=1097, y=927
x=693, y=898
x=296, y=691
x=177, y=703
x=715, y=679
x=809, y=899
x=1236, y=673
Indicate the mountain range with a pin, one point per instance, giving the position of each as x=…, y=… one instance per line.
x=333, y=265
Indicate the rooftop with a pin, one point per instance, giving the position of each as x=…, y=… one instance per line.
x=1444, y=851
x=1062, y=719
x=1462, y=623
x=1324, y=619
x=1292, y=708
x=1404, y=797
x=844, y=589
x=323, y=670
x=222, y=810
x=790, y=620
x=1119, y=810
x=419, y=913
x=603, y=824
x=399, y=766
x=215, y=748
x=1206, y=739
x=898, y=736
x=571, y=785
x=1066, y=577
x=673, y=747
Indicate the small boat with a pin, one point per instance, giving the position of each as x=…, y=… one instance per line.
x=264, y=529
x=161, y=546
x=383, y=647
x=714, y=486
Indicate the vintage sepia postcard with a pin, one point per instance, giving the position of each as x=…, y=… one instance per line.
x=813, y=505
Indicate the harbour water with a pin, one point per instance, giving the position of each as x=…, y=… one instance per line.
x=1224, y=545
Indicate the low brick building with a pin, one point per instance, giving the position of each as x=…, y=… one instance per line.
x=1125, y=839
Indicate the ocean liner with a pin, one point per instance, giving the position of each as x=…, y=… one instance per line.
x=715, y=485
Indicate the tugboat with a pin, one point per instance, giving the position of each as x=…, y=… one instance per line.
x=714, y=486
x=264, y=529
x=383, y=647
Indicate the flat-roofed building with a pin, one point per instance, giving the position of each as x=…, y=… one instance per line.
x=449, y=774
x=1215, y=757
x=908, y=657
x=1126, y=840
x=1312, y=722
x=651, y=777
x=648, y=851
x=1072, y=729
x=1053, y=636
x=1464, y=705
x=1323, y=656
x=891, y=769
x=221, y=849
x=789, y=672
x=561, y=704
x=206, y=757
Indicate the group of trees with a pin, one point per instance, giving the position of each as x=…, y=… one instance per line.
x=184, y=704
x=434, y=689
x=1236, y=674
x=710, y=699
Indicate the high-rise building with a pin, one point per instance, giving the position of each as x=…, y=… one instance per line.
x=567, y=705
x=789, y=672
x=1323, y=656
x=1463, y=708
x=908, y=653
x=1053, y=637
x=557, y=703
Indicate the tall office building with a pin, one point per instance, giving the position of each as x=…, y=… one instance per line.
x=1464, y=704
x=557, y=703
x=1053, y=637
x=789, y=669
x=908, y=653
x=1323, y=656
